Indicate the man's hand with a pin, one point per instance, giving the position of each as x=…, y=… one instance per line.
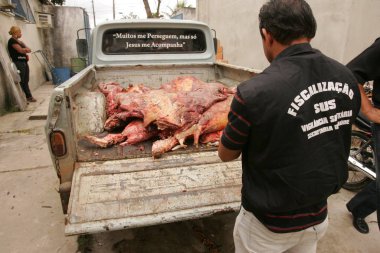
x=371, y=112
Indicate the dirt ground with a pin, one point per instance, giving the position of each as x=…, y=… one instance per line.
x=32, y=220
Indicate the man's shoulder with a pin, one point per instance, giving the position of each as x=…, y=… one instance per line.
x=262, y=79
x=329, y=66
x=374, y=49
x=377, y=43
x=277, y=72
x=262, y=85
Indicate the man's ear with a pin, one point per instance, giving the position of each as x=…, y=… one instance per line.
x=267, y=36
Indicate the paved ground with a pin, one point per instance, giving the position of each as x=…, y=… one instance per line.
x=32, y=221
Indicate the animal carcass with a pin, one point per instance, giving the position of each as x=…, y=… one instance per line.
x=183, y=108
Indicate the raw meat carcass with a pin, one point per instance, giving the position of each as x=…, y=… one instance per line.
x=133, y=133
x=156, y=106
x=162, y=146
x=125, y=106
x=106, y=141
x=108, y=87
x=183, y=108
x=167, y=108
x=177, y=110
x=113, y=91
x=183, y=84
x=109, y=90
x=213, y=120
x=211, y=138
x=136, y=132
x=190, y=83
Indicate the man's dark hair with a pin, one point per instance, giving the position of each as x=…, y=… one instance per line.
x=287, y=20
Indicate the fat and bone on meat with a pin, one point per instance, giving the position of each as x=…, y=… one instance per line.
x=185, y=107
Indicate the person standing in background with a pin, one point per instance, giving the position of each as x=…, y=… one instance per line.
x=366, y=67
x=18, y=52
x=292, y=125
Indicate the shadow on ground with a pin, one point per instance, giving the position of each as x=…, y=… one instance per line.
x=212, y=234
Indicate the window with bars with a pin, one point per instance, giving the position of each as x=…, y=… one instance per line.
x=22, y=10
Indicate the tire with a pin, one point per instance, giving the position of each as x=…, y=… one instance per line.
x=358, y=180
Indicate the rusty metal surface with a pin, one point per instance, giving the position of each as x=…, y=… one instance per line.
x=114, y=195
x=88, y=152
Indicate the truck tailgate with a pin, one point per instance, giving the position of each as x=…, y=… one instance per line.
x=129, y=193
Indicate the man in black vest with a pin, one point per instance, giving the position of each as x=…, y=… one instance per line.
x=292, y=125
x=366, y=67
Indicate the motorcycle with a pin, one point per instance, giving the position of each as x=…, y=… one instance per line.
x=361, y=161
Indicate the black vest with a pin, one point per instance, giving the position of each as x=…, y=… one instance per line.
x=301, y=109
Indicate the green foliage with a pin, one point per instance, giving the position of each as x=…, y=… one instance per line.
x=55, y=2
x=58, y=2
x=131, y=15
x=180, y=5
x=183, y=4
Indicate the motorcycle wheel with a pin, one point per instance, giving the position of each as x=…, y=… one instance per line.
x=358, y=180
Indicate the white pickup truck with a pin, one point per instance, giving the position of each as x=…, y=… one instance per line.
x=104, y=189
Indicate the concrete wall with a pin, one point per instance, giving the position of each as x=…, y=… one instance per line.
x=67, y=21
x=3, y=92
x=58, y=42
x=30, y=36
x=186, y=13
x=345, y=28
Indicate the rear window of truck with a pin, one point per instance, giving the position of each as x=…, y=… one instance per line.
x=153, y=41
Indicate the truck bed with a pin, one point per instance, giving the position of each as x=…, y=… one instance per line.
x=123, y=187
x=89, y=104
x=116, y=195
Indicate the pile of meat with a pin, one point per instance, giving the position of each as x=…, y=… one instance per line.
x=185, y=108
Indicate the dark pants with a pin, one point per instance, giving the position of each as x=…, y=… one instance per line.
x=376, y=138
x=368, y=200
x=364, y=203
x=23, y=67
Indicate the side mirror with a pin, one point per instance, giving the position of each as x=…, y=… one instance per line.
x=215, y=45
x=215, y=40
x=82, y=48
